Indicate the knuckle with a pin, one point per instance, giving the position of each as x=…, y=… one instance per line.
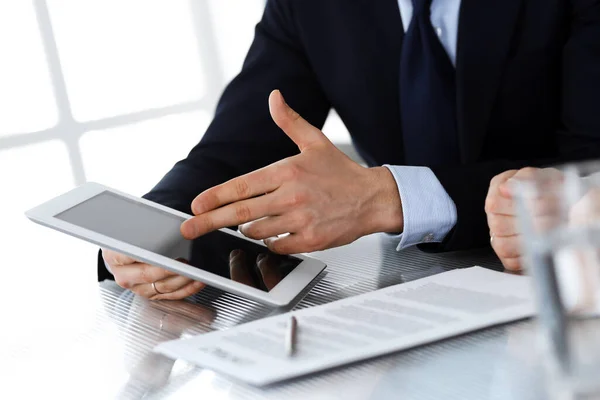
x=491, y=204
x=206, y=223
x=527, y=172
x=107, y=255
x=305, y=219
x=291, y=172
x=500, y=248
x=512, y=264
x=551, y=172
x=311, y=239
x=242, y=188
x=498, y=179
x=503, y=226
x=205, y=201
x=495, y=225
x=125, y=284
x=505, y=249
x=293, y=115
x=252, y=231
x=144, y=273
x=191, y=290
x=141, y=292
x=296, y=199
x=166, y=286
x=243, y=212
x=277, y=246
x=503, y=177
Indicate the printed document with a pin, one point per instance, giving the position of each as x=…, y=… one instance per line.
x=361, y=327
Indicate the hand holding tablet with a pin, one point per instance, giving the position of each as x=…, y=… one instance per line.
x=147, y=280
x=145, y=246
x=158, y=283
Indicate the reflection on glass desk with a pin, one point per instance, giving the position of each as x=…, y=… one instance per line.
x=113, y=358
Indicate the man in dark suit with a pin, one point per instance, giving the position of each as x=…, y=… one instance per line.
x=439, y=97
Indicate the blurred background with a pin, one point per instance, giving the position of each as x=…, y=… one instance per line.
x=112, y=91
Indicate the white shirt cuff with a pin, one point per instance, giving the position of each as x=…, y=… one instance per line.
x=428, y=211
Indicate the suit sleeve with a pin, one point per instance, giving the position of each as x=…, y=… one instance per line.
x=242, y=136
x=578, y=138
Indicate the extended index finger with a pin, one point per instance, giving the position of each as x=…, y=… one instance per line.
x=259, y=182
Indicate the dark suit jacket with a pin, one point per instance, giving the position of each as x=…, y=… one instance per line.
x=528, y=93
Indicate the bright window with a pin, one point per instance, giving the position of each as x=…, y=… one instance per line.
x=26, y=99
x=133, y=158
x=120, y=56
x=112, y=91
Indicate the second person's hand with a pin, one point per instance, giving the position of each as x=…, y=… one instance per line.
x=502, y=217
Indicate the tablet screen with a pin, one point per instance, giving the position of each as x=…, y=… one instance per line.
x=158, y=231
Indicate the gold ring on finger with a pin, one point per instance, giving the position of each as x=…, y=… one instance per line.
x=155, y=289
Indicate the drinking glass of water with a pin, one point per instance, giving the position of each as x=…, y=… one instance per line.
x=558, y=211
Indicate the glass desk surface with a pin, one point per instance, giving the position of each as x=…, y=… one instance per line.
x=109, y=355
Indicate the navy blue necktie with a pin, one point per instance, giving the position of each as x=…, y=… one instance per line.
x=427, y=94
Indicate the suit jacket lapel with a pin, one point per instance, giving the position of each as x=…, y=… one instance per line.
x=484, y=35
x=379, y=31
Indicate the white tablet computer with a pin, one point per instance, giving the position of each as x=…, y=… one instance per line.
x=150, y=233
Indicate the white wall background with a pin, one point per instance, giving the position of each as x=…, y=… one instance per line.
x=114, y=91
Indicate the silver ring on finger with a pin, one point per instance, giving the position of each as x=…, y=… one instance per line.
x=492, y=239
x=155, y=289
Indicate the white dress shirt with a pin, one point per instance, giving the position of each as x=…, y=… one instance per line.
x=428, y=211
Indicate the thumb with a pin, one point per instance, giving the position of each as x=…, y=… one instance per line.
x=297, y=128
